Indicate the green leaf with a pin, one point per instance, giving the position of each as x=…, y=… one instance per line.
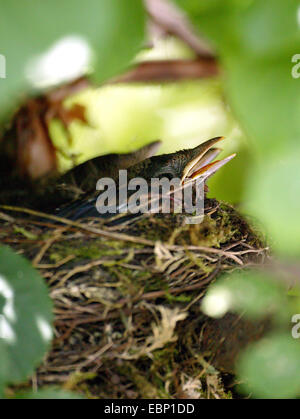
x=251, y=293
x=4, y=366
x=274, y=197
x=270, y=367
x=256, y=41
x=113, y=29
x=25, y=317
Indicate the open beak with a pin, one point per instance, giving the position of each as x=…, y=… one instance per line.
x=202, y=166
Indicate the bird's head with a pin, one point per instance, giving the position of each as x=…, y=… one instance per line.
x=187, y=165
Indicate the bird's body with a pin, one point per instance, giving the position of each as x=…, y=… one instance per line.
x=52, y=191
x=84, y=176
x=186, y=165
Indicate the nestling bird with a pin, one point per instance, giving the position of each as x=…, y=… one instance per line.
x=52, y=191
x=82, y=178
x=187, y=165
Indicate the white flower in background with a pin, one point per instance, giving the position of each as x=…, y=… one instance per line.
x=67, y=59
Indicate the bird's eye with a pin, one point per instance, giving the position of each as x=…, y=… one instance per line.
x=169, y=174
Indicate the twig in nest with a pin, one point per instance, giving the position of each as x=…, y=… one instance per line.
x=170, y=70
x=172, y=20
x=49, y=242
x=120, y=236
x=55, y=265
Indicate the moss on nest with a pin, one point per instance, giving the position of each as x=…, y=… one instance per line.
x=127, y=305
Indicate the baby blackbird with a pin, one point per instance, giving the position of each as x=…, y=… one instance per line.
x=187, y=165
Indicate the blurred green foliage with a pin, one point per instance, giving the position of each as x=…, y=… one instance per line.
x=256, y=41
x=29, y=28
x=25, y=318
x=253, y=294
x=271, y=367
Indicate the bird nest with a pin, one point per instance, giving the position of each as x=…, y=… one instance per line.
x=127, y=316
